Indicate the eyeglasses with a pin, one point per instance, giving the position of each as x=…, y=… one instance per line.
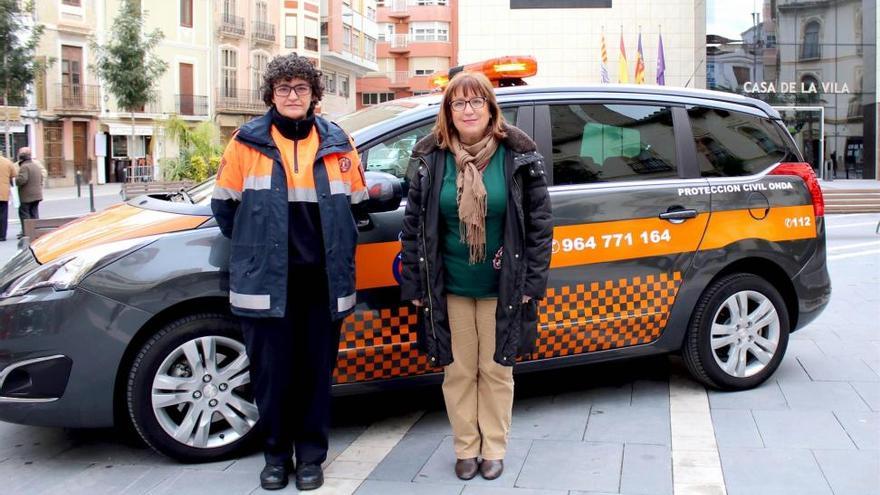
x=475, y=103
x=299, y=89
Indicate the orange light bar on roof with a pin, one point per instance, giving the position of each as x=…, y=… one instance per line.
x=499, y=70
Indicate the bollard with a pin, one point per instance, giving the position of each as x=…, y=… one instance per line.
x=91, y=197
x=78, y=178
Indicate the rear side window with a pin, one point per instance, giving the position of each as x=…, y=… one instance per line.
x=611, y=142
x=730, y=144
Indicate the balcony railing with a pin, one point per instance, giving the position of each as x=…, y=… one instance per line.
x=232, y=25
x=399, y=78
x=398, y=42
x=263, y=31
x=242, y=101
x=397, y=8
x=77, y=97
x=191, y=104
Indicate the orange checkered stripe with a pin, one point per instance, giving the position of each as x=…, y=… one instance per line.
x=604, y=315
x=381, y=344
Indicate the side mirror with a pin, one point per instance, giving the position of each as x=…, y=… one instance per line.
x=385, y=190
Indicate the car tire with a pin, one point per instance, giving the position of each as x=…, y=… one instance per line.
x=727, y=350
x=189, y=394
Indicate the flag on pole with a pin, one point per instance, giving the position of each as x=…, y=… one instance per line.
x=622, y=67
x=603, y=69
x=640, y=63
x=661, y=64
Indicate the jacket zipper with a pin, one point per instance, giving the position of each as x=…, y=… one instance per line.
x=427, y=264
x=296, y=156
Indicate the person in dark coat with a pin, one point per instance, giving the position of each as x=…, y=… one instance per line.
x=283, y=195
x=477, y=240
x=30, y=187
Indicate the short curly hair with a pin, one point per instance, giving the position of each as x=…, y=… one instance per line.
x=285, y=67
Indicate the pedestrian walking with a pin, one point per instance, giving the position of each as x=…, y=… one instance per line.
x=8, y=171
x=476, y=253
x=284, y=192
x=30, y=180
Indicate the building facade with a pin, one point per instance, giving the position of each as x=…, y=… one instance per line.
x=416, y=39
x=349, y=35
x=816, y=61
x=565, y=37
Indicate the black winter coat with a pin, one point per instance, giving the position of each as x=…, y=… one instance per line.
x=528, y=235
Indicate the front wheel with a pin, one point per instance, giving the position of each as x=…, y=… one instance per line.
x=738, y=333
x=189, y=393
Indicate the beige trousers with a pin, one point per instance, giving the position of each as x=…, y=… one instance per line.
x=478, y=391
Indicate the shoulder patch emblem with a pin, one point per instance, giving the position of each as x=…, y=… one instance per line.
x=344, y=164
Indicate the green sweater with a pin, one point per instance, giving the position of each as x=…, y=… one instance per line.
x=462, y=278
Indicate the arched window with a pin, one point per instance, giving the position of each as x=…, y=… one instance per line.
x=810, y=48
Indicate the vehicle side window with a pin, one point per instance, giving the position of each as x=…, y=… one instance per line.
x=611, y=142
x=730, y=144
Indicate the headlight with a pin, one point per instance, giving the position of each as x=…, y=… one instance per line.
x=67, y=271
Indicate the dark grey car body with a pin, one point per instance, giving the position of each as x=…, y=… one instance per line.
x=91, y=333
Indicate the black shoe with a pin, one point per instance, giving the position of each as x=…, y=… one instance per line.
x=309, y=476
x=274, y=477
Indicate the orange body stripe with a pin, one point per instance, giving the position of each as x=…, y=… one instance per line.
x=786, y=223
x=113, y=224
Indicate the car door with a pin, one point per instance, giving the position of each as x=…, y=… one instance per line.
x=379, y=340
x=626, y=229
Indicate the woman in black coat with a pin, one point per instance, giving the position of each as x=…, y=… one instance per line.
x=477, y=241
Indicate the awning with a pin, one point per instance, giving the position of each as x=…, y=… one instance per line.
x=125, y=130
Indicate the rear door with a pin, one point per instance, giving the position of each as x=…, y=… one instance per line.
x=626, y=225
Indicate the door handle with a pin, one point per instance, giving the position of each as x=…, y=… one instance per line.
x=678, y=216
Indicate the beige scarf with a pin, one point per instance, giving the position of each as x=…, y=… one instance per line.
x=470, y=161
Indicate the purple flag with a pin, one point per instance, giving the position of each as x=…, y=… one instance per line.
x=661, y=64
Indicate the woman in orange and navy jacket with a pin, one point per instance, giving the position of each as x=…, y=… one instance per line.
x=284, y=193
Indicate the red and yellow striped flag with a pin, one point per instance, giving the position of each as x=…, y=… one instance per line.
x=603, y=69
x=622, y=66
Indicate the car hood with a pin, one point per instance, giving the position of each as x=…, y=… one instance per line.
x=116, y=223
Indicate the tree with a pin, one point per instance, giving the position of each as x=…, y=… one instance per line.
x=200, y=150
x=127, y=64
x=18, y=66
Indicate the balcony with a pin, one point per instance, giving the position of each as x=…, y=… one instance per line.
x=398, y=79
x=192, y=105
x=77, y=98
x=398, y=43
x=397, y=9
x=263, y=32
x=242, y=101
x=232, y=25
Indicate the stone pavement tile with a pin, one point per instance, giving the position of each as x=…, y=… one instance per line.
x=377, y=487
x=432, y=423
x=156, y=476
x=650, y=393
x=772, y=472
x=600, y=396
x=864, y=331
x=407, y=458
x=29, y=442
x=802, y=347
x=494, y=490
x=839, y=368
x=540, y=418
x=20, y=476
x=850, y=472
x=838, y=396
x=440, y=466
x=790, y=369
x=873, y=363
x=627, y=424
x=561, y=465
x=862, y=427
x=802, y=430
x=195, y=482
x=869, y=392
x=765, y=396
x=736, y=428
x=848, y=347
x=99, y=479
x=646, y=469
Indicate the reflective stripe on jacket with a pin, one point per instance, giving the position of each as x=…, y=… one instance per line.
x=250, y=204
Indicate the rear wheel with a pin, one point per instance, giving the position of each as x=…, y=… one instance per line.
x=189, y=393
x=738, y=333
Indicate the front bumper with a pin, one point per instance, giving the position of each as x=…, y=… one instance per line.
x=59, y=356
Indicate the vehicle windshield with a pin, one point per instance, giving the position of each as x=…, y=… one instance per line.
x=353, y=122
